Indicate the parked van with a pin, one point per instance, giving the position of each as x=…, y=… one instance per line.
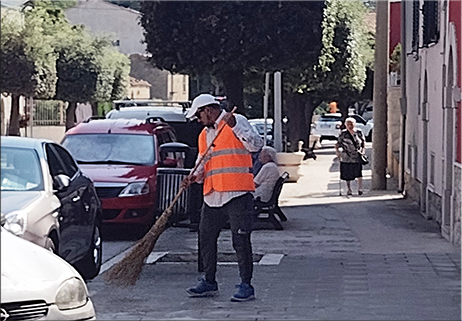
x=123, y=158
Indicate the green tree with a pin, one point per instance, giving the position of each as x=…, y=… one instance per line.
x=347, y=54
x=342, y=72
x=227, y=39
x=27, y=59
x=89, y=70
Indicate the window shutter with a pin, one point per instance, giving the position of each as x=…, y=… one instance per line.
x=415, y=25
x=431, y=32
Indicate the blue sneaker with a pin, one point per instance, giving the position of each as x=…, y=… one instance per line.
x=203, y=289
x=246, y=292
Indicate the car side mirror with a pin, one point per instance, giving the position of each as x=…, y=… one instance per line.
x=61, y=182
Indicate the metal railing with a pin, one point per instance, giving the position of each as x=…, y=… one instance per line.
x=168, y=184
x=48, y=113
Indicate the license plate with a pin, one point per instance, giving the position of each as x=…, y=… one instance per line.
x=325, y=126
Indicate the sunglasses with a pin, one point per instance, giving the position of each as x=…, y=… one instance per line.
x=199, y=111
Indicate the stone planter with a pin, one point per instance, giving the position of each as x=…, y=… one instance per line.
x=290, y=163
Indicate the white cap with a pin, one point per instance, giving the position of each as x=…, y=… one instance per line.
x=201, y=101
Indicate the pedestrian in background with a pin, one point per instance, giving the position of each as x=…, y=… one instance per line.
x=349, y=147
x=268, y=175
x=228, y=183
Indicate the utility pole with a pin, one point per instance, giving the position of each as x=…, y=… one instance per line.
x=277, y=122
x=379, y=134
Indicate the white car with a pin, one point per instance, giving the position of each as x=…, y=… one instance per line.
x=259, y=125
x=329, y=126
x=37, y=284
x=366, y=126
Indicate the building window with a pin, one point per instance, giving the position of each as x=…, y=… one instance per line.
x=415, y=25
x=431, y=30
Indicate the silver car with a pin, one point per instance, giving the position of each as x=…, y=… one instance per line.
x=47, y=200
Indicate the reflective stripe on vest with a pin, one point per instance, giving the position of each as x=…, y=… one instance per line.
x=229, y=167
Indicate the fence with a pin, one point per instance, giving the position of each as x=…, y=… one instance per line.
x=48, y=113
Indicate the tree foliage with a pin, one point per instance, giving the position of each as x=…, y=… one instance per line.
x=46, y=57
x=341, y=73
x=347, y=51
x=27, y=59
x=89, y=70
x=227, y=39
x=27, y=55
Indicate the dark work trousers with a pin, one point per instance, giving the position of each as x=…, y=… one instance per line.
x=213, y=219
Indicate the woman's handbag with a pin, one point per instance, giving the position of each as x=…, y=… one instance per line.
x=364, y=159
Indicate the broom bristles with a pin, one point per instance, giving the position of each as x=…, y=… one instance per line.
x=127, y=271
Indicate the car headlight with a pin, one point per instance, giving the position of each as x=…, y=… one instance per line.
x=71, y=294
x=16, y=222
x=136, y=188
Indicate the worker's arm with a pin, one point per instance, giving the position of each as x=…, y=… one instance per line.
x=244, y=131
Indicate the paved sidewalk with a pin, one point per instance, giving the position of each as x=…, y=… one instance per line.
x=369, y=257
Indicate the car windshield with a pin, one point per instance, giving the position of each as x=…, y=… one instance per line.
x=111, y=148
x=21, y=170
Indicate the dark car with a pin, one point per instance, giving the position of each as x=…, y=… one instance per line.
x=122, y=156
x=47, y=200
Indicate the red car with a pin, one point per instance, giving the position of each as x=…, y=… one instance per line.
x=122, y=158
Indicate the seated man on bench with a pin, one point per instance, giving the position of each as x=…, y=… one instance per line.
x=268, y=185
x=268, y=174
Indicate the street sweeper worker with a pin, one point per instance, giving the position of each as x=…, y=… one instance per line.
x=226, y=173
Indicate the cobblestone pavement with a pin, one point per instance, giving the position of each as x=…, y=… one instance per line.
x=370, y=257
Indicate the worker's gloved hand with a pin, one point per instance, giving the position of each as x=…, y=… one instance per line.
x=188, y=180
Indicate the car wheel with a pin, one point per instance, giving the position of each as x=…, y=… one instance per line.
x=90, y=265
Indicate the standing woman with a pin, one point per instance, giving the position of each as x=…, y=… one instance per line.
x=349, y=147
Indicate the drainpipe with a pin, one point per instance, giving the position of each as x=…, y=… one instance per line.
x=403, y=100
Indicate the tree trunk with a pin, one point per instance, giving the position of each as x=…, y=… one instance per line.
x=13, y=129
x=295, y=128
x=94, y=109
x=310, y=105
x=70, y=115
x=299, y=110
x=233, y=82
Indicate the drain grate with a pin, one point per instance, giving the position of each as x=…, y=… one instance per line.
x=230, y=257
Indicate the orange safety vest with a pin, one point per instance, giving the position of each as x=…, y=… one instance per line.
x=228, y=166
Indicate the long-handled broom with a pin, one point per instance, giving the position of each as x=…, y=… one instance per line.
x=127, y=271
